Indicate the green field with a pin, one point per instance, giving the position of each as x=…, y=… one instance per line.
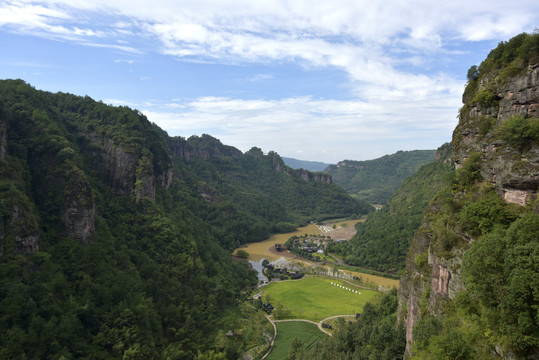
x=314, y=298
x=307, y=333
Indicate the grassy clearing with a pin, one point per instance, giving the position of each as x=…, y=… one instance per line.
x=314, y=298
x=307, y=333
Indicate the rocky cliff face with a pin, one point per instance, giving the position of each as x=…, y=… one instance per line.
x=203, y=147
x=78, y=210
x=509, y=165
x=514, y=173
x=306, y=175
x=310, y=176
x=120, y=167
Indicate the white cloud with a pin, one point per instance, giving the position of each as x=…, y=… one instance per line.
x=324, y=129
x=381, y=46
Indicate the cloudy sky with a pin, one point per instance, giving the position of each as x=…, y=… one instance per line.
x=314, y=80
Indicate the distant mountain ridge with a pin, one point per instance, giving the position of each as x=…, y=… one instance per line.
x=315, y=166
x=376, y=180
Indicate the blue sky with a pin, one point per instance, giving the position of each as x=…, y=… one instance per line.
x=313, y=80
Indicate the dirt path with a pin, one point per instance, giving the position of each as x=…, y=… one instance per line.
x=272, y=340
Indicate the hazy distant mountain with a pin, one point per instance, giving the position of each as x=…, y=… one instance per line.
x=304, y=164
x=376, y=180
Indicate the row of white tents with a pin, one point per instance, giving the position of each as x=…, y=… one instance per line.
x=345, y=288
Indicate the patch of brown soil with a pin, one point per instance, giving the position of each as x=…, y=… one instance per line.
x=345, y=233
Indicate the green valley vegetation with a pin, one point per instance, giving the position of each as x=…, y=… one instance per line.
x=294, y=338
x=499, y=305
x=382, y=242
x=375, y=335
x=114, y=237
x=258, y=193
x=376, y=180
x=315, y=298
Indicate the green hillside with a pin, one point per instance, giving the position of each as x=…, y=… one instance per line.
x=113, y=234
x=376, y=180
x=381, y=243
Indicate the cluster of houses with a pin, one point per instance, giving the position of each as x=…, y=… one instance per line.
x=309, y=243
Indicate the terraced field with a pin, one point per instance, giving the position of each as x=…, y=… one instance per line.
x=307, y=333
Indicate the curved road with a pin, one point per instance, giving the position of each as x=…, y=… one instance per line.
x=319, y=324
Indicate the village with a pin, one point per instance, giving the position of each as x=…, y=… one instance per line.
x=312, y=247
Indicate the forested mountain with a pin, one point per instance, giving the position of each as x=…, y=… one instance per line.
x=113, y=234
x=376, y=180
x=470, y=289
x=382, y=242
x=304, y=164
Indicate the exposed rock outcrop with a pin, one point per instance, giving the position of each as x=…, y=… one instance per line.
x=120, y=167
x=310, y=176
x=23, y=228
x=78, y=211
x=513, y=172
x=204, y=147
x=306, y=175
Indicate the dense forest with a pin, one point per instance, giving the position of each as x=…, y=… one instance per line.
x=114, y=236
x=382, y=242
x=376, y=180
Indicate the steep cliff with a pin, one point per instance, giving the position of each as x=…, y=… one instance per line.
x=470, y=285
x=201, y=147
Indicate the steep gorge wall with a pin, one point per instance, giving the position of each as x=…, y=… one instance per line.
x=514, y=174
x=433, y=271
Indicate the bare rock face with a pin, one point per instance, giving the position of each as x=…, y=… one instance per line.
x=78, y=211
x=316, y=177
x=26, y=244
x=413, y=283
x=519, y=96
x=23, y=228
x=145, y=179
x=120, y=167
x=440, y=280
x=514, y=174
x=204, y=147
